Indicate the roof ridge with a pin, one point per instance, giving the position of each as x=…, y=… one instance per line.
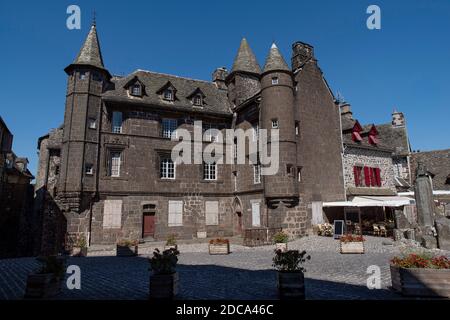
x=170, y=75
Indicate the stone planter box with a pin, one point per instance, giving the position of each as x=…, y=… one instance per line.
x=219, y=248
x=42, y=286
x=352, y=247
x=126, y=251
x=291, y=285
x=163, y=286
x=418, y=282
x=79, y=252
x=174, y=246
x=281, y=246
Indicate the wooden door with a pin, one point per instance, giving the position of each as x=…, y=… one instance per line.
x=148, y=225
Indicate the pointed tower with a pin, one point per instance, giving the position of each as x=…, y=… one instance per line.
x=277, y=113
x=87, y=79
x=243, y=80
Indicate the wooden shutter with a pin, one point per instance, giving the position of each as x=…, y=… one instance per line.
x=367, y=176
x=356, y=173
x=256, y=216
x=378, y=176
x=112, y=214
x=373, y=181
x=175, y=216
x=212, y=213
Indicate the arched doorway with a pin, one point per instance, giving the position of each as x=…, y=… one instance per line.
x=238, y=219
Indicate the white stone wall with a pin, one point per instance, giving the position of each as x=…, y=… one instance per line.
x=368, y=158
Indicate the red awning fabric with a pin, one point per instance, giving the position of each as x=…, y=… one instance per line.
x=356, y=136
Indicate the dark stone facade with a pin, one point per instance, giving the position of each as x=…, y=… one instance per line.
x=79, y=195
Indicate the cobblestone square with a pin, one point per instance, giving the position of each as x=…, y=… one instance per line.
x=246, y=273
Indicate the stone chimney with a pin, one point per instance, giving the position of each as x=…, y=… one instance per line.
x=218, y=77
x=301, y=53
x=398, y=119
x=346, y=110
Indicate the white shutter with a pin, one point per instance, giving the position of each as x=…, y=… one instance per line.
x=112, y=214
x=175, y=217
x=256, y=216
x=212, y=213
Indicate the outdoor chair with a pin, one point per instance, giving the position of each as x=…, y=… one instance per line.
x=376, y=230
x=383, y=231
x=357, y=229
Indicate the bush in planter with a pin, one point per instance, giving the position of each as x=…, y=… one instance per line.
x=352, y=243
x=126, y=247
x=281, y=239
x=171, y=242
x=164, y=280
x=421, y=274
x=79, y=248
x=46, y=281
x=291, y=282
x=219, y=246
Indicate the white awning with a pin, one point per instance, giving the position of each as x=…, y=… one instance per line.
x=372, y=201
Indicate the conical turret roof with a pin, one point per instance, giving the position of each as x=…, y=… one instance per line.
x=275, y=60
x=245, y=59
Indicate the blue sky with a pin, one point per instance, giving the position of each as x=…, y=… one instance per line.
x=405, y=65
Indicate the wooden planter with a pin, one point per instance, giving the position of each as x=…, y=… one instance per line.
x=173, y=246
x=79, y=252
x=42, y=286
x=219, y=248
x=352, y=247
x=418, y=282
x=126, y=251
x=281, y=246
x=163, y=286
x=291, y=285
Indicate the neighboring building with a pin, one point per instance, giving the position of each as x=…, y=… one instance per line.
x=437, y=163
x=16, y=196
x=115, y=178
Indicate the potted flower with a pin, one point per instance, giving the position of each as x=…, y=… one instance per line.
x=164, y=279
x=291, y=280
x=171, y=242
x=79, y=248
x=351, y=243
x=219, y=246
x=46, y=281
x=325, y=229
x=281, y=239
x=421, y=274
x=127, y=248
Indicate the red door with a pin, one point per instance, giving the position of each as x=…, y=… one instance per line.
x=149, y=225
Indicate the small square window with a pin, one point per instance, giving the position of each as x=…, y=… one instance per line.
x=168, y=94
x=274, y=123
x=89, y=169
x=275, y=80
x=92, y=123
x=136, y=90
x=198, y=100
x=82, y=75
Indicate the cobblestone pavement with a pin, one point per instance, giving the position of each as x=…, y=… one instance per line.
x=244, y=274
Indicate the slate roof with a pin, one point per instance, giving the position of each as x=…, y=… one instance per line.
x=437, y=162
x=215, y=100
x=245, y=59
x=90, y=53
x=395, y=137
x=275, y=60
x=347, y=126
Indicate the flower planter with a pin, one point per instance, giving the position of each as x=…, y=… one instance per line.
x=421, y=282
x=291, y=285
x=281, y=246
x=173, y=246
x=44, y=285
x=352, y=247
x=126, y=251
x=219, y=248
x=79, y=252
x=163, y=286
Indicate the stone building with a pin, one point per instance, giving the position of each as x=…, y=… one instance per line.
x=107, y=171
x=16, y=196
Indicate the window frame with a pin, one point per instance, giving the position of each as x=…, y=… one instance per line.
x=197, y=100
x=257, y=173
x=167, y=132
x=275, y=124
x=137, y=86
x=166, y=92
x=114, y=127
x=275, y=81
x=164, y=168
x=208, y=173
x=110, y=164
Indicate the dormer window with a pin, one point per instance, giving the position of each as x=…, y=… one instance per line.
x=198, y=100
x=136, y=89
x=168, y=94
x=373, y=136
x=275, y=80
x=356, y=133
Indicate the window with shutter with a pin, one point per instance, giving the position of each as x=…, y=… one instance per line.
x=378, y=176
x=175, y=217
x=357, y=175
x=367, y=176
x=212, y=213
